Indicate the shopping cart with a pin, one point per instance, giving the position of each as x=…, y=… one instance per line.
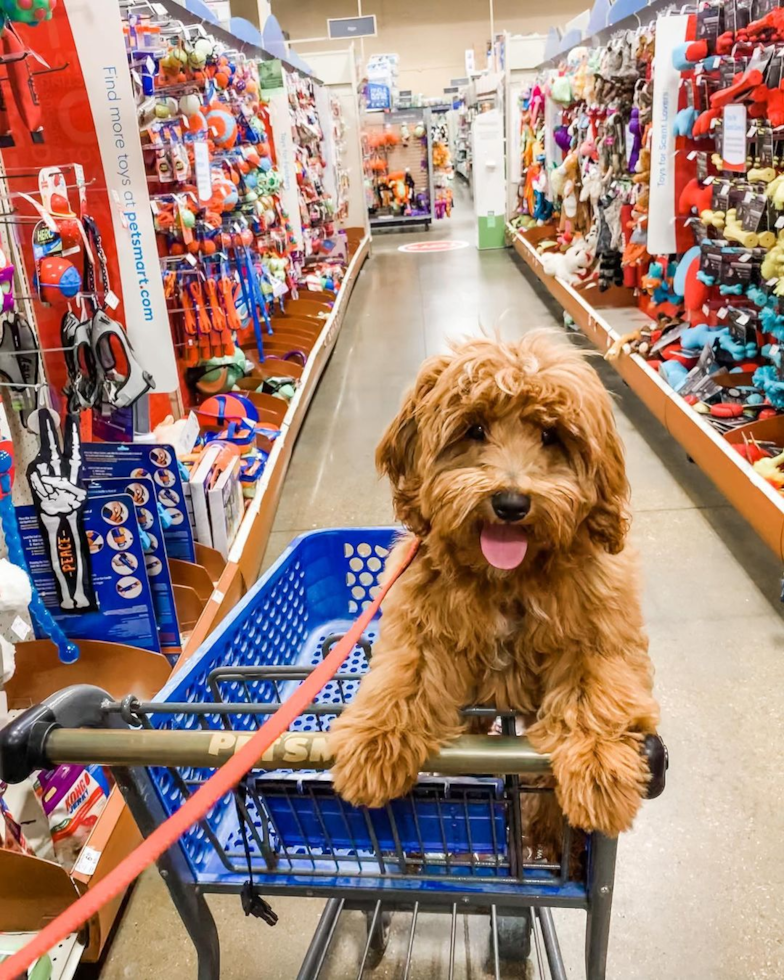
x=457, y=844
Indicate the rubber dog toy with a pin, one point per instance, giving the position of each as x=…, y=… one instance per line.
x=734, y=231
x=714, y=219
x=686, y=55
x=770, y=469
x=683, y=123
x=695, y=196
x=674, y=373
x=697, y=337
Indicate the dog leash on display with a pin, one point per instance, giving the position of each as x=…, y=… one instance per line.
x=92, y=365
x=222, y=782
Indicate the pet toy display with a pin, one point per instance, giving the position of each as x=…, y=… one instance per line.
x=715, y=303
x=598, y=185
x=229, y=255
x=443, y=172
x=396, y=153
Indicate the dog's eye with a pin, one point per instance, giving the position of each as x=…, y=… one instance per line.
x=549, y=436
x=477, y=433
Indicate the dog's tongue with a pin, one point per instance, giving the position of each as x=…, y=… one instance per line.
x=504, y=545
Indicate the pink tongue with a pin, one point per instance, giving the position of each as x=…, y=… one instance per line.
x=504, y=545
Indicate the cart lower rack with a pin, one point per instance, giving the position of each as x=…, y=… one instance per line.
x=459, y=843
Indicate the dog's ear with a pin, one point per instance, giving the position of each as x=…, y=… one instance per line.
x=396, y=454
x=608, y=521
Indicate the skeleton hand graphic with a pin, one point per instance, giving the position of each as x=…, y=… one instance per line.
x=55, y=481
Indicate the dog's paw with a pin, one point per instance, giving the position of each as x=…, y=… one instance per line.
x=600, y=783
x=373, y=767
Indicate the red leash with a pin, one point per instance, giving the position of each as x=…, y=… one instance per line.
x=197, y=806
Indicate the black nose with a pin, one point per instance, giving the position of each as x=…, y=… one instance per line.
x=511, y=506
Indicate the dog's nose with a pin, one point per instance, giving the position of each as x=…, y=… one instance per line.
x=510, y=506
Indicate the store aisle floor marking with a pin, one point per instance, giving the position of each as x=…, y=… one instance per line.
x=432, y=246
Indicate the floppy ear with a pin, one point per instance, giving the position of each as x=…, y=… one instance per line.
x=608, y=521
x=396, y=454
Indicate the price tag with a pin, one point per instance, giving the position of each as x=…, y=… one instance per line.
x=774, y=349
x=111, y=300
x=20, y=628
x=780, y=222
x=201, y=163
x=692, y=155
x=88, y=861
x=709, y=179
x=159, y=9
x=722, y=313
x=746, y=257
x=706, y=309
x=772, y=282
x=189, y=258
x=751, y=133
x=743, y=319
x=149, y=64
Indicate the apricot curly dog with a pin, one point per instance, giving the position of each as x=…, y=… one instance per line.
x=506, y=462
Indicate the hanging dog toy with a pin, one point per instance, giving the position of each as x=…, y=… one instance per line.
x=60, y=498
x=67, y=650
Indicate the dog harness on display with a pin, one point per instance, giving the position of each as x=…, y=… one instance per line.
x=93, y=374
x=204, y=799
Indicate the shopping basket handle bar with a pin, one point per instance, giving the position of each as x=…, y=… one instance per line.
x=46, y=736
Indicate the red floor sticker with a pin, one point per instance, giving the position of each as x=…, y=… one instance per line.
x=432, y=246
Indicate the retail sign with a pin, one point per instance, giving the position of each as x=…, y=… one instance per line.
x=270, y=74
x=98, y=39
x=377, y=96
x=733, y=138
x=422, y=247
x=670, y=32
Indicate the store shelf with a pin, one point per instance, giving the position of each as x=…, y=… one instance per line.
x=46, y=887
x=247, y=552
x=65, y=957
x=752, y=496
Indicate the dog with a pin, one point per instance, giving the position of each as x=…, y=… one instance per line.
x=505, y=461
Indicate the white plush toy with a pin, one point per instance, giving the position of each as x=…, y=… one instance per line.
x=15, y=595
x=15, y=590
x=592, y=188
x=569, y=264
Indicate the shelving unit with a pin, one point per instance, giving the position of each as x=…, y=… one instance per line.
x=247, y=552
x=412, y=156
x=752, y=496
x=65, y=957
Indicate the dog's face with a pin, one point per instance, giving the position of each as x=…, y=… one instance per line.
x=506, y=450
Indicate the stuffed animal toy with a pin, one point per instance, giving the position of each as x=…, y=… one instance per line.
x=570, y=264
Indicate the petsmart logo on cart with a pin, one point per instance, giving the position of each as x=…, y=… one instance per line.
x=291, y=749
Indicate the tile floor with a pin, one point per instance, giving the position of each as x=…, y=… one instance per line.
x=700, y=880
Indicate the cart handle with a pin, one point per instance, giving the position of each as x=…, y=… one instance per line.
x=43, y=737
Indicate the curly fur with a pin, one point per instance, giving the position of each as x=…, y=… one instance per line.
x=559, y=639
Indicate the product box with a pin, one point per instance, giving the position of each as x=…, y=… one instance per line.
x=125, y=611
x=159, y=463
x=226, y=507
x=217, y=499
x=73, y=798
x=142, y=491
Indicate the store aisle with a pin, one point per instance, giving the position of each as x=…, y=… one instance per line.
x=700, y=881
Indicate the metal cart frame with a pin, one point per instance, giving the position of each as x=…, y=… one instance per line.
x=495, y=875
